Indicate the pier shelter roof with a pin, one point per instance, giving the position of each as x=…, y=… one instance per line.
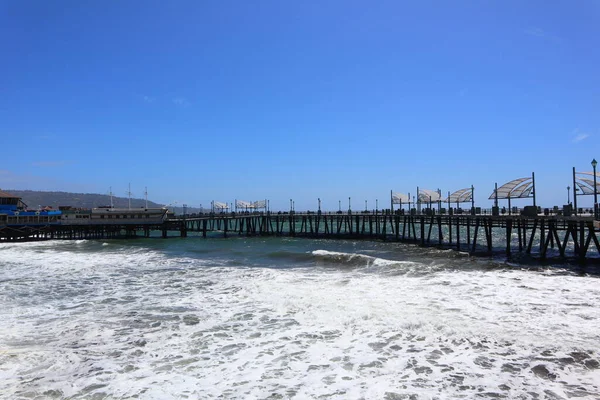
x=460, y=196
x=426, y=195
x=243, y=204
x=399, y=198
x=219, y=205
x=250, y=205
x=515, y=189
x=586, y=185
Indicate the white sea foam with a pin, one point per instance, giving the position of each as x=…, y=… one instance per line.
x=357, y=259
x=123, y=321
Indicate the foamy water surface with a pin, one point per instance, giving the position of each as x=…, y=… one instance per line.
x=289, y=319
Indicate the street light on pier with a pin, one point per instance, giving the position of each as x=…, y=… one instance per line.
x=366, y=205
x=568, y=194
x=291, y=208
x=594, y=164
x=376, y=205
x=349, y=207
x=319, y=199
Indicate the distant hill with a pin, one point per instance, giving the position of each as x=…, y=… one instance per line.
x=34, y=198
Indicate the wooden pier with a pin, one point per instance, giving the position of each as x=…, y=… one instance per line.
x=542, y=237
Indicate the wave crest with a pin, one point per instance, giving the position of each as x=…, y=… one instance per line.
x=355, y=259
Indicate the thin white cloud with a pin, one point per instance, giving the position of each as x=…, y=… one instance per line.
x=50, y=164
x=542, y=34
x=149, y=99
x=536, y=32
x=181, y=101
x=580, y=137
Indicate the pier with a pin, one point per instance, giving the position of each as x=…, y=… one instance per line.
x=541, y=237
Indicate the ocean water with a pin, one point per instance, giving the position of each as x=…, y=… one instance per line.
x=279, y=318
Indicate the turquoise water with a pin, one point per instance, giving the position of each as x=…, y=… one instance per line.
x=290, y=318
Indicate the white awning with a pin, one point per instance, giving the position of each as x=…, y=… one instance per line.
x=460, y=196
x=426, y=195
x=515, y=189
x=400, y=198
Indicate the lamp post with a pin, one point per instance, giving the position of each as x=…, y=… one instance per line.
x=319, y=199
x=594, y=164
x=291, y=205
x=366, y=205
x=349, y=206
x=340, y=205
x=568, y=194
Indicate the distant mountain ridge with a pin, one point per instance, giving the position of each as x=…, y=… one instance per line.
x=35, y=198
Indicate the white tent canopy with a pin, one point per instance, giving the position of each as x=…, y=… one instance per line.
x=425, y=195
x=461, y=196
x=400, y=198
x=250, y=205
x=220, y=206
x=260, y=204
x=586, y=185
x=515, y=189
x=242, y=204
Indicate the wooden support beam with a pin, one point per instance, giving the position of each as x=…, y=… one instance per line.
x=509, y=226
x=561, y=248
x=535, y=223
x=475, y=234
x=468, y=232
x=430, y=228
x=542, y=235
x=488, y=234
x=458, y=233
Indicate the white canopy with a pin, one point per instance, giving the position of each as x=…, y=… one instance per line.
x=425, y=195
x=515, y=189
x=461, y=196
x=246, y=204
x=220, y=206
x=586, y=185
x=260, y=204
x=400, y=198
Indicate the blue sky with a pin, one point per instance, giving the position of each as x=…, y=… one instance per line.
x=252, y=100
